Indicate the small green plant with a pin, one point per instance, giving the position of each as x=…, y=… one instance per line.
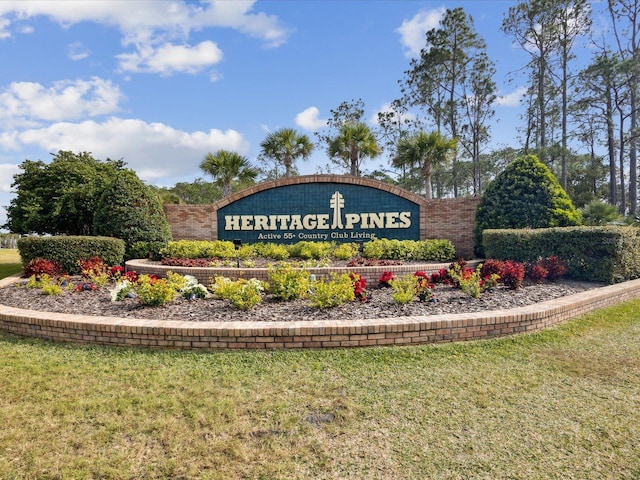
x=95, y=270
x=121, y=290
x=51, y=288
x=153, y=291
x=404, y=288
x=337, y=290
x=243, y=294
x=46, y=283
x=287, y=283
x=471, y=281
x=176, y=281
x=193, y=288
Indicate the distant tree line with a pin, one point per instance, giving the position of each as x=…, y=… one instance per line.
x=436, y=133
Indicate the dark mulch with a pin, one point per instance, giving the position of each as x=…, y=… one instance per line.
x=382, y=305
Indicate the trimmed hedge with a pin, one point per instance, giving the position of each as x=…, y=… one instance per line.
x=426, y=250
x=67, y=250
x=609, y=254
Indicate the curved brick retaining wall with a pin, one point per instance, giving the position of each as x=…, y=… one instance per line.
x=205, y=274
x=316, y=334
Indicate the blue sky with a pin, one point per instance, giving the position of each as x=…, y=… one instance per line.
x=162, y=83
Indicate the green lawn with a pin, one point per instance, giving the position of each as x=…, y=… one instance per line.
x=9, y=262
x=559, y=404
x=564, y=403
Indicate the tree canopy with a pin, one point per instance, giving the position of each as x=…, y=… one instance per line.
x=76, y=194
x=286, y=146
x=59, y=197
x=228, y=169
x=354, y=143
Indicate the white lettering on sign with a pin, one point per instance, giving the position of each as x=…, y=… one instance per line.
x=319, y=221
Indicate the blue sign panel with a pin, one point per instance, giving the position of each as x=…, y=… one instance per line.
x=319, y=212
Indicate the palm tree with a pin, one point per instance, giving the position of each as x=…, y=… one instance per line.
x=354, y=142
x=285, y=146
x=226, y=167
x=424, y=150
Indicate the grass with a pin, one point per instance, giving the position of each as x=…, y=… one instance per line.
x=563, y=403
x=9, y=262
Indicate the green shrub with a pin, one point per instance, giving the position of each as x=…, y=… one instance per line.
x=426, y=250
x=607, y=254
x=130, y=210
x=243, y=294
x=337, y=290
x=154, y=292
x=346, y=251
x=150, y=250
x=526, y=194
x=434, y=250
x=404, y=288
x=274, y=251
x=68, y=250
x=287, y=283
x=311, y=250
x=176, y=281
x=219, y=249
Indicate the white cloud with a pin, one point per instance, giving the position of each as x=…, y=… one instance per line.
x=7, y=171
x=153, y=27
x=153, y=150
x=412, y=32
x=77, y=51
x=512, y=99
x=28, y=103
x=168, y=59
x=309, y=119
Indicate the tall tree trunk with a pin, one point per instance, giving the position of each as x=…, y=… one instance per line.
x=611, y=149
x=623, y=190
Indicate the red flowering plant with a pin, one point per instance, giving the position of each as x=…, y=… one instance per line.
x=41, y=266
x=116, y=272
x=131, y=275
x=424, y=287
x=94, y=270
x=536, y=272
x=512, y=274
x=360, y=287
x=555, y=267
x=441, y=277
x=384, y=281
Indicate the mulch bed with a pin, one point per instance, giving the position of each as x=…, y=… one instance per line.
x=447, y=300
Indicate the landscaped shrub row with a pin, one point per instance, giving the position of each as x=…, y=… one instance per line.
x=424, y=250
x=608, y=254
x=68, y=250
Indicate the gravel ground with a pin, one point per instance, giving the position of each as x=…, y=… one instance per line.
x=382, y=305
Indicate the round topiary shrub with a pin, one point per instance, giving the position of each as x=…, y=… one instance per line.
x=525, y=195
x=130, y=210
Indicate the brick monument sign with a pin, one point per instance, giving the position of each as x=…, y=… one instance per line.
x=336, y=208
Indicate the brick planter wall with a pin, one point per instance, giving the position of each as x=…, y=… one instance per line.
x=315, y=334
x=204, y=274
